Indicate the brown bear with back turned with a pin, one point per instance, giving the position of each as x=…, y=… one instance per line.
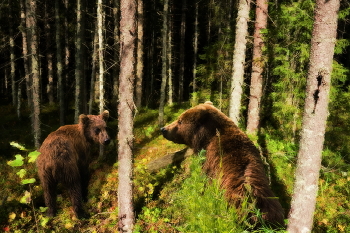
x=230, y=154
x=64, y=159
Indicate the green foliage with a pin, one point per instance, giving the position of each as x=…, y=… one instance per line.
x=334, y=189
x=20, y=161
x=338, y=124
x=26, y=169
x=289, y=57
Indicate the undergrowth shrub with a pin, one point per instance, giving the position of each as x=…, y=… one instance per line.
x=200, y=205
x=23, y=190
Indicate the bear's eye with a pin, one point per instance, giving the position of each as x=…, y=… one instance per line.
x=97, y=131
x=179, y=122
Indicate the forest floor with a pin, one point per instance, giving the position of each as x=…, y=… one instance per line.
x=178, y=198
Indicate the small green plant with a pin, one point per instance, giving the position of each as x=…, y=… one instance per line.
x=22, y=165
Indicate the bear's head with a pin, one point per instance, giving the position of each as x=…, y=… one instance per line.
x=195, y=127
x=94, y=127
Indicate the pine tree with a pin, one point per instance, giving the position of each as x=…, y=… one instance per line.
x=164, y=64
x=139, y=63
x=79, y=67
x=126, y=109
x=239, y=60
x=315, y=116
x=256, y=84
x=35, y=74
x=59, y=63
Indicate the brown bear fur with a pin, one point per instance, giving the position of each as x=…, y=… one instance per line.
x=64, y=159
x=229, y=153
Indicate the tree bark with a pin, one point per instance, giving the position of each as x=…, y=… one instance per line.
x=116, y=51
x=239, y=60
x=67, y=52
x=79, y=67
x=315, y=116
x=35, y=72
x=101, y=47
x=126, y=109
x=139, y=64
x=182, y=51
x=195, y=54
x=24, y=30
x=256, y=85
x=94, y=83
x=59, y=63
x=169, y=57
x=49, y=87
x=12, y=59
x=100, y=16
x=164, y=64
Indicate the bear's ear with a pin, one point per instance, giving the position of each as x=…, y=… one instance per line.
x=105, y=115
x=83, y=119
x=209, y=102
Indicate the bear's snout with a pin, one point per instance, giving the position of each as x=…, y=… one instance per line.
x=163, y=130
x=107, y=141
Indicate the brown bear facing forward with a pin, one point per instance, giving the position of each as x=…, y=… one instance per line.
x=229, y=153
x=64, y=159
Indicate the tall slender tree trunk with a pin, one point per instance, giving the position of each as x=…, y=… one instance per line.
x=35, y=72
x=116, y=13
x=239, y=60
x=256, y=85
x=182, y=51
x=169, y=57
x=79, y=65
x=195, y=54
x=12, y=59
x=126, y=109
x=59, y=63
x=100, y=16
x=164, y=64
x=101, y=47
x=315, y=116
x=66, y=49
x=139, y=64
x=24, y=29
x=50, y=86
x=94, y=87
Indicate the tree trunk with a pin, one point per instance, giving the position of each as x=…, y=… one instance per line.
x=101, y=46
x=66, y=49
x=93, y=83
x=182, y=51
x=169, y=55
x=13, y=69
x=164, y=64
x=256, y=85
x=79, y=67
x=49, y=88
x=12, y=59
x=100, y=16
x=139, y=64
x=315, y=116
x=25, y=51
x=126, y=109
x=59, y=63
x=239, y=60
x=35, y=72
x=116, y=52
x=195, y=54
